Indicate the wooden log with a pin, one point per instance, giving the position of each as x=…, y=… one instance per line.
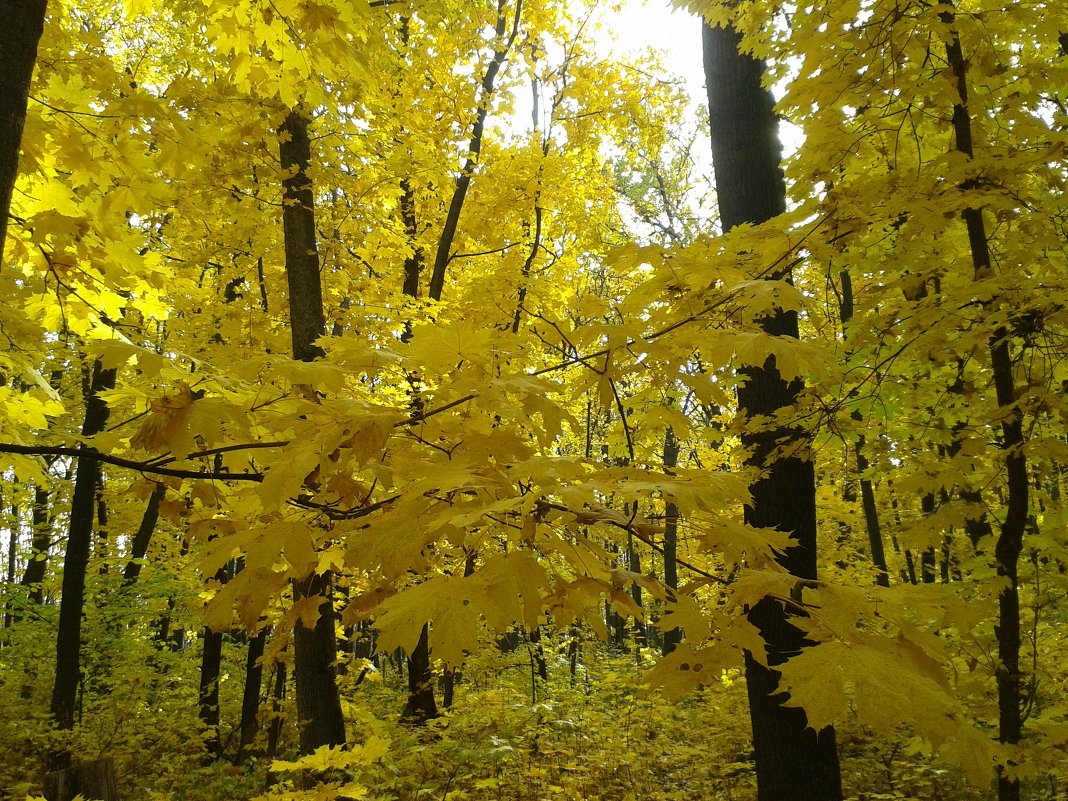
x=95, y=781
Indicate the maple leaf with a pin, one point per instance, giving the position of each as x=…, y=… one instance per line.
x=167, y=424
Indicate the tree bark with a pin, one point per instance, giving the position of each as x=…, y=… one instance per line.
x=143, y=537
x=278, y=695
x=792, y=761
x=12, y=556
x=93, y=781
x=20, y=33
x=420, y=706
x=1009, y=544
x=250, y=695
x=208, y=701
x=672, y=637
x=474, y=148
x=75, y=564
x=318, y=701
x=867, y=491
x=634, y=565
x=42, y=538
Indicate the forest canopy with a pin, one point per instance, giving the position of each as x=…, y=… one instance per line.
x=419, y=398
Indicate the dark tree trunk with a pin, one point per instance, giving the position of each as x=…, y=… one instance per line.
x=21, y=26
x=34, y=575
x=318, y=701
x=93, y=781
x=413, y=264
x=315, y=651
x=12, y=556
x=278, y=695
x=573, y=647
x=75, y=564
x=792, y=761
x=672, y=637
x=420, y=706
x=307, y=319
x=103, y=546
x=250, y=696
x=1009, y=544
x=451, y=673
x=172, y=640
x=634, y=565
x=448, y=687
x=208, y=706
x=537, y=653
x=504, y=39
x=867, y=491
x=143, y=537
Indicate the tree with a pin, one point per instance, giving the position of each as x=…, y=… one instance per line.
x=315, y=650
x=793, y=760
x=76, y=563
x=23, y=25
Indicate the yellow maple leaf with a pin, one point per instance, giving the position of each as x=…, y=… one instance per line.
x=167, y=424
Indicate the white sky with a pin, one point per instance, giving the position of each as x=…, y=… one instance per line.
x=658, y=24
x=677, y=33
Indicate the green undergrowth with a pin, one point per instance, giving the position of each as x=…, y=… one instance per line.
x=597, y=734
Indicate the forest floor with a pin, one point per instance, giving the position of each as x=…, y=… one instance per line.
x=598, y=735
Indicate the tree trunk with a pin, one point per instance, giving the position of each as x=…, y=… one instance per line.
x=672, y=637
x=278, y=695
x=1009, y=543
x=143, y=537
x=20, y=32
x=93, y=781
x=250, y=695
x=413, y=264
x=451, y=673
x=634, y=565
x=792, y=761
x=33, y=577
x=420, y=706
x=318, y=700
x=12, y=556
x=103, y=546
x=867, y=491
x=75, y=564
x=208, y=705
x=504, y=38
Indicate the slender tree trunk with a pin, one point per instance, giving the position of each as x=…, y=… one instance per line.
x=420, y=706
x=867, y=491
x=672, y=637
x=21, y=26
x=452, y=672
x=573, y=646
x=33, y=577
x=634, y=565
x=318, y=700
x=504, y=39
x=208, y=701
x=537, y=653
x=12, y=556
x=75, y=564
x=278, y=695
x=413, y=264
x=250, y=695
x=103, y=546
x=793, y=762
x=143, y=537
x=1009, y=543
